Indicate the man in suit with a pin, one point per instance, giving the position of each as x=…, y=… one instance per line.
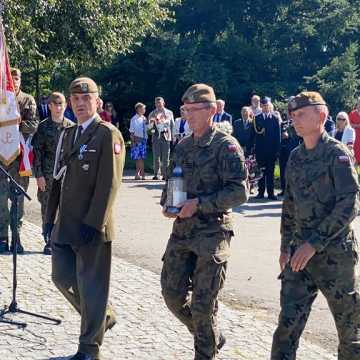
x=267, y=146
x=87, y=174
x=43, y=108
x=161, y=122
x=221, y=114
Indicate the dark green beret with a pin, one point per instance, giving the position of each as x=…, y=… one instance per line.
x=199, y=93
x=305, y=98
x=83, y=85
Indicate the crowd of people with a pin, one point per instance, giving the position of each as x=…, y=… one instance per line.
x=262, y=131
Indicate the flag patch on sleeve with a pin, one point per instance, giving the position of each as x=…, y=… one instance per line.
x=232, y=148
x=117, y=149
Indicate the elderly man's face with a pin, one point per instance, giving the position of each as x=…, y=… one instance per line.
x=84, y=105
x=308, y=120
x=198, y=115
x=266, y=108
x=220, y=106
x=17, y=83
x=159, y=104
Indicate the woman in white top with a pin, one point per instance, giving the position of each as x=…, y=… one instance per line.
x=344, y=132
x=181, y=127
x=138, y=135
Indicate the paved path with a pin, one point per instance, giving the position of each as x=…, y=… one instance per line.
x=145, y=329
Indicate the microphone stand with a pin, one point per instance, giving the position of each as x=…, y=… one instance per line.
x=16, y=191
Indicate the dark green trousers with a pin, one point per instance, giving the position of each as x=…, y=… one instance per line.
x=82, y=274
x=333, y=273
x=43, y=197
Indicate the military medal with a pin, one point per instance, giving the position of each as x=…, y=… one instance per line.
x=81, y=151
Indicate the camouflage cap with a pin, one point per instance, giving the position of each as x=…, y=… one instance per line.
x=83, y=85
x=56, y=96
x=199, y=93
x=305, y=98
x=15, y=72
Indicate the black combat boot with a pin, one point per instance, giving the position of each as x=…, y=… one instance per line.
x=4, y=245
x=47, y=249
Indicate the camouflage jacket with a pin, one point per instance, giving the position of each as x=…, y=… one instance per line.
x=321, y=197
x=44, y=143
x=27, y=108
x=214, y=172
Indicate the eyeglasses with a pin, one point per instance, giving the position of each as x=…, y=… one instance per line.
x=341, y=119
x=192, y=110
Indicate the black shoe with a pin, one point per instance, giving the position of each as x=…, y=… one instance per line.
x=155, y=178
x=281, y=193
x=19, y=248
x=272, y=197
x=82, y=356
x=259, y=196
x=47, y=249
x=4, y=246
x=164, y=178
x=222, y=341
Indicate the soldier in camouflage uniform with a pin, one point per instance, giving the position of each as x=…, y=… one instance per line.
x=44, y=143
x=27, y=108
x=318, y=245
x=196, y=256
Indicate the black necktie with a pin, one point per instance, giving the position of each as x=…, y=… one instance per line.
x=78, y=133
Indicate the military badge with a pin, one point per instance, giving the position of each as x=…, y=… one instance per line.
x=81, y=151
x=84, y=87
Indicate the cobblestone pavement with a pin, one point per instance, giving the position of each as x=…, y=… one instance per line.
x=145, y=329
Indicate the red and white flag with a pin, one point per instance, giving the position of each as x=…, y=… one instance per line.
x=9, y=113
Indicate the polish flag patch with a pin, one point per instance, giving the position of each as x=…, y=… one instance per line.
x=117, y=149
x=232, y=148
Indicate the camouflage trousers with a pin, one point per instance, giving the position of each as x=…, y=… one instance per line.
x=6, y=196
x=333, y=273
x=43, y=197
x=190, y=287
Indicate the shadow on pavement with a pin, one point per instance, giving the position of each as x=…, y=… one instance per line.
x=263, y=215
x=149, y=185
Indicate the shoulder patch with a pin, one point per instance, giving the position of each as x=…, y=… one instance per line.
x=117, y=148
x=232, y=148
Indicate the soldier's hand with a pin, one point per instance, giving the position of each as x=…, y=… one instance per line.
x=301, y=257
x=188, y=208
x=41, y=183
x=283, y=260
x=87, y=233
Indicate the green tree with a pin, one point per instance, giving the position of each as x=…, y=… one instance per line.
x=51, y=37
x=339, y=81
